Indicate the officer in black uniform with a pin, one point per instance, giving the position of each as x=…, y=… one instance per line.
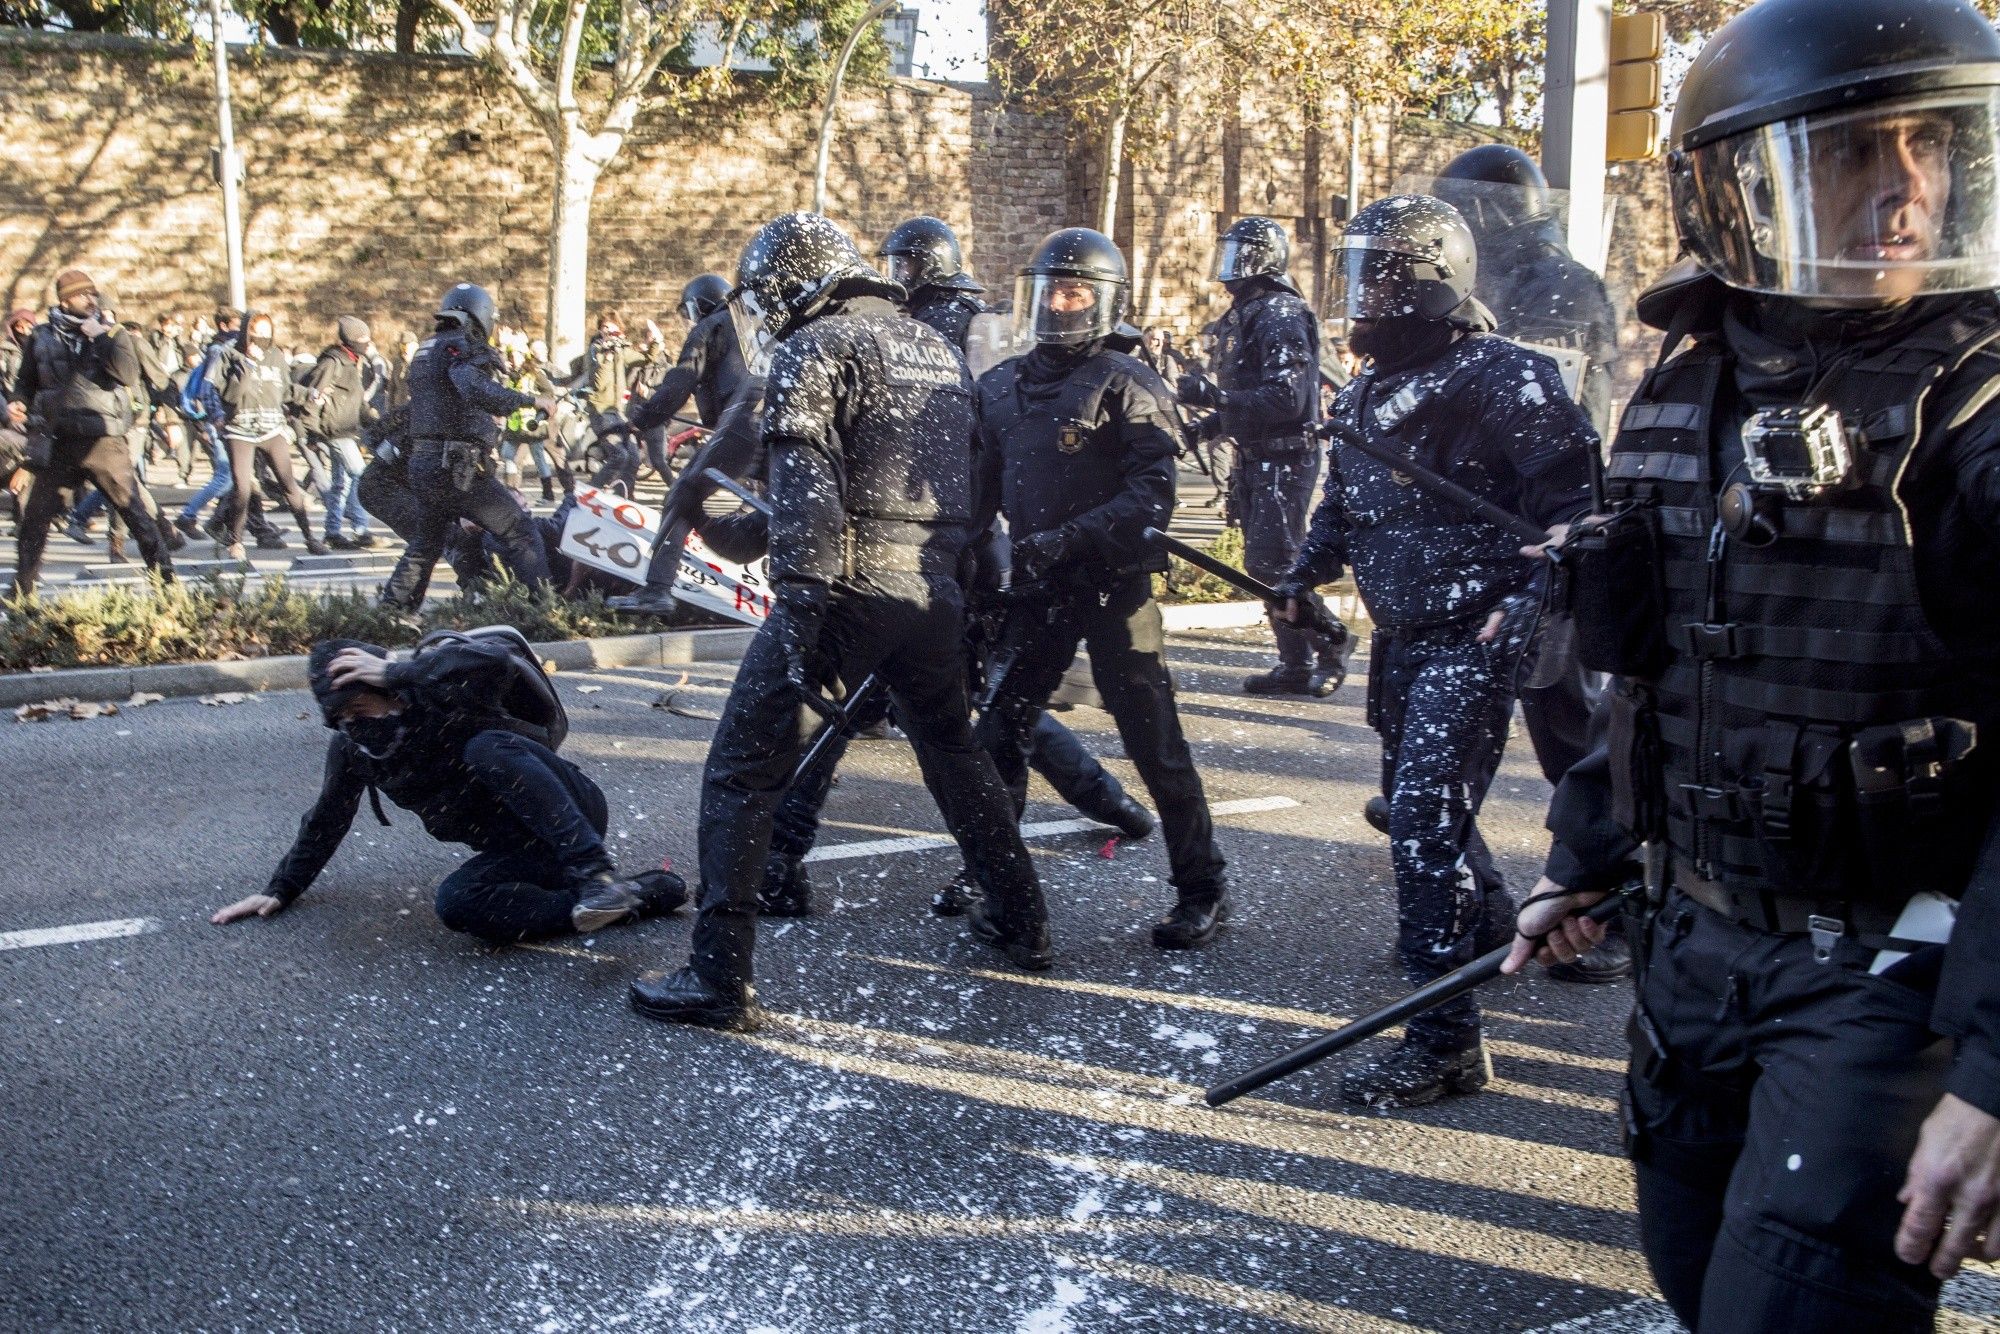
x=1796, y=595
x=868, y=420
x=1077, y=453
x=924, y=256
x=1539, y=294
x=1265, y=395
x=456, y=398
x=711, y=370
x=1453, y=600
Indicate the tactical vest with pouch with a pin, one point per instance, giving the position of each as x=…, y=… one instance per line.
x=1789, y=719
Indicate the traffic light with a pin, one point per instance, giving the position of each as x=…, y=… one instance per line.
x=1637, y=42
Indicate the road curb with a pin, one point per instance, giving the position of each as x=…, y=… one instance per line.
x=181, y=679
x=1237, y=615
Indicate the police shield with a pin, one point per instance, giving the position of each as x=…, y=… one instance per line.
x=989, y=340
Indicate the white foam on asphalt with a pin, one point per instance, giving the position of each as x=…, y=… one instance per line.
x=82, y=931
x=888, y=847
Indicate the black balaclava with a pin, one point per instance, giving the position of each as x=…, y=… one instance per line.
x=376, y=737
x=1402, y=342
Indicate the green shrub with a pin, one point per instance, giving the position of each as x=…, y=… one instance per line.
x=220, y=618
x=1184, y=583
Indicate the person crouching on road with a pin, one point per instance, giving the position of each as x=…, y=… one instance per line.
x=429, y=735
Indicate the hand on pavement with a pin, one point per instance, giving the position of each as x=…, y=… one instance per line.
x=1565, y=936
x=260, y=905
x=1951, y=1196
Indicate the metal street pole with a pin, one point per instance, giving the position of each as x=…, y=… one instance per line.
x=1575, y=111
x=228, y=166
x=875, y=11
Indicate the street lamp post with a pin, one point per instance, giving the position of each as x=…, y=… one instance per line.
x=228, y=165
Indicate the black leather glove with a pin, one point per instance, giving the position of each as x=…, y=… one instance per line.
x=1198, y=391
x=800, y=614
x=1313, y=614
x=1038, y=555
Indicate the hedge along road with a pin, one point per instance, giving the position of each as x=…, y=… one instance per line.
x=348, y=1118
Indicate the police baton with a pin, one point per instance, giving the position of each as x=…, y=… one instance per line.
x=835, y=720
x=737, y=489
x=1427, y=997
x=1440, y=486
x=1322, y=621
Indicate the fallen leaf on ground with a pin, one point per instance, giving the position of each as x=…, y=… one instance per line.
x=228, y=697
x=141, y=698
x=676, y=703
x=588, y=690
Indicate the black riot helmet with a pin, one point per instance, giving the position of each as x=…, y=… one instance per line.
x=1843, y=154
x=1073, y=291
x=1253, y=248
x=1495, y=188
x=1407, y=255
x=471, y=308
x=704, y=296
x=788, y=273
x=924, y=252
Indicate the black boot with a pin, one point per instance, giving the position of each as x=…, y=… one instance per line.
x=660, y=892
x=787, y=889
x=959, y=894
x=170, y=537
x=548, y=490
x=1325, y=679
x=686, y=997
x=1193, y=921
x=1026, y=950
x=1611, y=961
x=1127, y=816
x=653, y=600
x=1376, y=813
x=1282, y=680
x=1416, y=1073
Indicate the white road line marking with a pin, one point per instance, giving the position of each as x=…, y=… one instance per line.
x=888, y=847
x=70, y=935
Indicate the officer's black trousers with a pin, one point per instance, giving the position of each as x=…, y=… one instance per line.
x=1055, y=753
x=1128, y=662
x=1771, y=1125
x=909, y=628
x=1274, y=496
x=106, y=461
x=440, y=505
x=524, y=888
x=1441, y=701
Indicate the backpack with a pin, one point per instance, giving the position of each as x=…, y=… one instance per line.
x=529, y=701
x=196, y=384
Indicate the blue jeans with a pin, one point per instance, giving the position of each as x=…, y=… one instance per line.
x=218, y=485
x=342, y=502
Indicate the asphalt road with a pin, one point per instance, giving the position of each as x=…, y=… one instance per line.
x=347, y=1118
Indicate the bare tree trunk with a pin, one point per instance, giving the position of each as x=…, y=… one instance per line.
x=569, y=245
x=409, y=13
x=1113, y=167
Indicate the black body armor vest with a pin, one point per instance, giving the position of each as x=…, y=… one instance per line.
x=1815, y=738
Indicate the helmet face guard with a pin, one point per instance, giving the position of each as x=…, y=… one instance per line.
x=1065, y=310
x=1381, y=278
x=758, y=324
x=1251, y=248
x=912, y=271
x=1856, y=206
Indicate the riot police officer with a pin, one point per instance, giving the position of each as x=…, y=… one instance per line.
x=869, y=426
x=1453, y=600
x=1265, y=395
x=456, y=400
x=924, y=257
x=1077, y=446
x=711, y=370
x=1538, y=294
x=1795, y=590
x=1529, y=282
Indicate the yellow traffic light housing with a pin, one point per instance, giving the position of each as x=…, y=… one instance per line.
x=1635, y=129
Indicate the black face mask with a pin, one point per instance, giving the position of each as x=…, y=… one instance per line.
x=1402, y=341
x=376, y=737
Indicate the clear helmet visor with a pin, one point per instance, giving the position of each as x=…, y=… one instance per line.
x=907, y=271
x=1372, y=283
x=1866, y=206
x=1235, y=258
x=1056, y=309
x=754, y=336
